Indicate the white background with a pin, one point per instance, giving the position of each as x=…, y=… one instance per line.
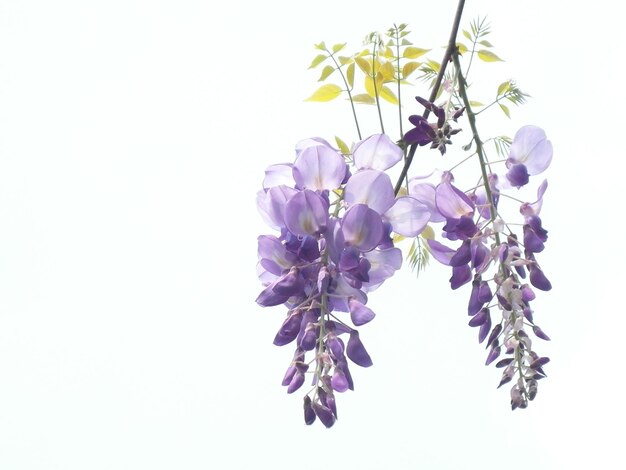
x=133, y=138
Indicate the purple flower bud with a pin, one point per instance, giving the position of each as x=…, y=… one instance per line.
x=538, y=363
x=460, y=275
x=493, y=355
x=474, y=304
x=359, y=313
x=309, y=414
x=290, y=284
x=518, y=175
x=480, y=318
x=339, y=381
x=324, y=414
x=289, y=330
x=296, y=381
x=356, y=351
x=504, y=362
x=528, y=313
x=462, y=256
x=538, y=278
x=327, y=399
x=335, y=345
x=484, y=330
x=532, y=242
x=494, y=334
x=532, y=389
x=540, y=334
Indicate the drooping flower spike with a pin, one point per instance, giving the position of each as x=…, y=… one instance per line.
x=334, y=246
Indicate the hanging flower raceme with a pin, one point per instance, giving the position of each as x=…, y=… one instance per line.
x=495, y=262
x=334, y=246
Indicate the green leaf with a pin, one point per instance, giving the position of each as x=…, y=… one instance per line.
x=363, y=98
x=505, y=110
x=342, y=146
x=343, y=60
x=503, y=88
x=350, y=75
x=414, y=52
x=467, y=35
x=485, y=43
x=325, y=93
x=338, y=47
x=476, y=104
x=406, y=42
x=488, y=56
x=326, y=72
x=409, y=68
x=321, y=46
x=318, y=60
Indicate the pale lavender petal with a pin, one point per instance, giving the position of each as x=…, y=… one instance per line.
x=319, y=168
x=452, y=203
x=271, y=205
x=378, y=152
x=362, y=227
x=425, y=193
x=383, y=264
x=306, y=213
x=273, y=255
x=408, y=216
x=440, y=252
x=342, y=291
x=275, y=175
x=534, y=208
x=371, y=187
x=312, y=142
x=531, y=147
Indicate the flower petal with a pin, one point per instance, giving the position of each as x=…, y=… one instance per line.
x=378, y=152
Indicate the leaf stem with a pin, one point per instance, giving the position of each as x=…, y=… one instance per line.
x=374, y=62
x=471, y=117
x=356, y=121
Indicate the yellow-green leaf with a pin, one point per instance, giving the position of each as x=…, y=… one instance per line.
x=505, y=110
x=350, y=75
x=326, y=72
x=318, y=60
x=363, y=98
x=488, y=56
x=342, y=146
x=476, y=104
x=409, y=68
x=485, y=43
x=406, y=42
x=467, y=35
x=387, y=53
x=461, y=47
x=434, y=65
x=504, y=87
x=428, y=233
x=343, y=60
x=387, y=70
x=321, y=46
x=369, y=86
x=363, y=64
x=325, y=93
x=388, y=95
x=338, y=47
x=414, y=52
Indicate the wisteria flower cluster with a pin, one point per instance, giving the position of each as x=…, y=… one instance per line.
x=334, y=247
x=338, y=218
x=485, y=242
